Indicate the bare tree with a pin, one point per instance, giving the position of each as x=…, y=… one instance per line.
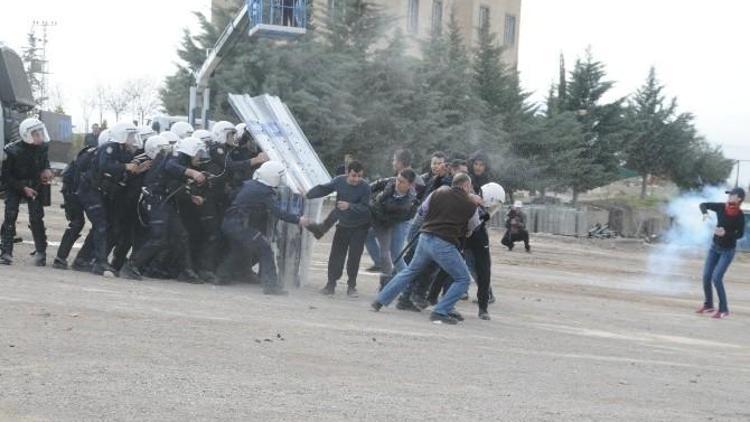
x=117, y=100
x=144, y=97
x=57, y=100
x=87, y=103
x=100, y=96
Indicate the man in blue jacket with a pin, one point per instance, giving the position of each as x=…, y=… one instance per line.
x=353, y=214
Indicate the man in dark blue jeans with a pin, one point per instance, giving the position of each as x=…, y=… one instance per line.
x=448, y=219
x=730, y=227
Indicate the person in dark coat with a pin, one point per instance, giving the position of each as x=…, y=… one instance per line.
x=730, y=227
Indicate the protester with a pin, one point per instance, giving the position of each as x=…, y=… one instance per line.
x=730, y=227
x=352, y=213
x=448, y=212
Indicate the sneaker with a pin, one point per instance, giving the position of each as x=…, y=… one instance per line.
x=705, y=309
x=79, y=265
x=374, y=269
x=456, y=315
x=352, y=292
x=104, y=270
x=720, y=315
x=407, y=306
x=419, y=301
x=60, y=264
x=275, y=291
x=130, y=272
x=6, y=259
x=189, y=276
x=327, y=290
x=442, y=319
x=40, y=259
x=376, y=306
x=528, y=249
x=484, y=315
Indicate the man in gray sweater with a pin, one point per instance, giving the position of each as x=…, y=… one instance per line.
x=353, y=214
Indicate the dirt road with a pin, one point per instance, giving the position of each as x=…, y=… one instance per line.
x=577, y=335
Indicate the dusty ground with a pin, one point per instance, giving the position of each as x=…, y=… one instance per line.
x=577, y=335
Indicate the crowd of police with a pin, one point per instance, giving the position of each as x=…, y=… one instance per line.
x=194, y=205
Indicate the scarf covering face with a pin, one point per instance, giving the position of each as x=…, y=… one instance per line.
x=732, y=209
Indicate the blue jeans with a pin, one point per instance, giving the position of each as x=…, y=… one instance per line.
x=398, y=238
x=717, y=263
x=432, y=249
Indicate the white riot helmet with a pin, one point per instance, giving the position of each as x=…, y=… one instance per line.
x=127, y=134
x=182, y=129
x=104, y=137
x=27, y=128
x=170, y=137
x=154, y=145
x=270, y=173
x=240, y=128
x=192, y=147
x=224, y=133
x=494, y=196
x=204, y=136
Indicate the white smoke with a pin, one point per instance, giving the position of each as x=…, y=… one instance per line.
x=689, y=234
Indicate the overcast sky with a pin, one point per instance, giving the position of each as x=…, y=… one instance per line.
x=699, y=48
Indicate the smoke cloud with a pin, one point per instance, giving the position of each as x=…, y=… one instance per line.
x=688, y=235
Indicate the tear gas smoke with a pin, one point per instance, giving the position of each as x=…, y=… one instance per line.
x=689, y=234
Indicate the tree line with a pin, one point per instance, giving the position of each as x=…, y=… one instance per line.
x=356, y=89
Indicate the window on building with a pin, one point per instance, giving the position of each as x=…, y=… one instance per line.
x=437, y=17
x=510, y=31
x=413, y=16
x=484, y=17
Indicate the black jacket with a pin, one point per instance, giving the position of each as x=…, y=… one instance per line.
x=388, y=209
x=733, y=226
x=23, y=165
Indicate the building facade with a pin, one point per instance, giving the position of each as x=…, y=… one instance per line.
x=421, y=18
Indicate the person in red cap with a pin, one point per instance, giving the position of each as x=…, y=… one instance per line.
x=730, y=227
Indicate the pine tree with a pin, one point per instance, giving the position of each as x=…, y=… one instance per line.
x=658, y=137
x=602, y=125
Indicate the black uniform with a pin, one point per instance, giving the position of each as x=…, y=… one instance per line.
x=163, y=183
x=72, y=205
x=245, y=225
x=23, y=166
x=102, y=180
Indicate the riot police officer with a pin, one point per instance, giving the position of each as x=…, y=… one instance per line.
x=73, y=208
x=26, y=173
x=246, y=221
x=103, y=179
x=168, y=178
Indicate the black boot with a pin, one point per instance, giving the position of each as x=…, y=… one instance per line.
x=103, y=269
x=60, y=264
x=6, y=259
x=130, y=272
x=40, y=259
x=189, y=276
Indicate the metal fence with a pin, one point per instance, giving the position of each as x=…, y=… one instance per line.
x=557, y=220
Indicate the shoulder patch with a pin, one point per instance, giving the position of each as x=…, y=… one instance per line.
x=109, y=150
x=220, y=151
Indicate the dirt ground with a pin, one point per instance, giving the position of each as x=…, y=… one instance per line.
x=577, y=334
